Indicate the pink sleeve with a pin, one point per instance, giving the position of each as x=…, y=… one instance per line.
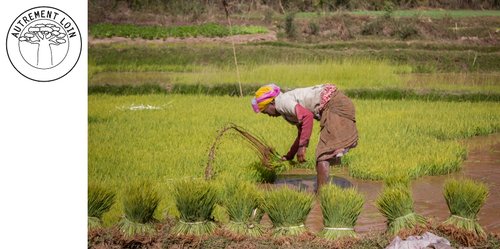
x=305, y=123
x=304, y=130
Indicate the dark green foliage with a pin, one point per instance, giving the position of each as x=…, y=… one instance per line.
x=232, y=90
x=158, y=32
x=313, y=28
x=290, y=26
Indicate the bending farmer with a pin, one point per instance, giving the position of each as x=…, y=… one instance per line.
x=325, y=103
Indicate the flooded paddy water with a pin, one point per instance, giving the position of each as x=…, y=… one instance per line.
x=482, y=164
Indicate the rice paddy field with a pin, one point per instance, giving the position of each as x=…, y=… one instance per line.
x=155, y=110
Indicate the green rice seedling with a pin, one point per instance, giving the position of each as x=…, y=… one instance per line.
x=270, y=160
x=288, y=210
x=264, y=174
x=341, y=208
x=139, y=203
x=195, y=200
x=397, y=180
x=242, y=202
x=100, y=200
x=465, y=198
x=396, y=204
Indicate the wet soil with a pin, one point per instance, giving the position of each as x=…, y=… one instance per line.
x=482, y=164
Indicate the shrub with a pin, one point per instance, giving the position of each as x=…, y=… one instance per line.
x=313, y=28
x=290, y=26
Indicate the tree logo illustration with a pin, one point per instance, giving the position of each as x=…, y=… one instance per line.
x=44, y=44
x=46, y=37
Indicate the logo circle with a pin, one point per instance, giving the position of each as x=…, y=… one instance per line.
x=44, y=44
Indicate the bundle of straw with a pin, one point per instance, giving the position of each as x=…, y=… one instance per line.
x=140, y=202
x=195, y=200
x=465, y=198
x=242, y=201
x=288, y=210
x=396, y=204
x=100, y=201
x=341, y=208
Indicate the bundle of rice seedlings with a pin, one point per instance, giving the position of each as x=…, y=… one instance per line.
x=195, y=199
x=140, y=202
x=465, y=198
x=270, y=159
x=242, y=201
x=288, y=210
x=341, y=208
x=397, y=180
x=396, y=204
x=100, y=200
x=264, y=174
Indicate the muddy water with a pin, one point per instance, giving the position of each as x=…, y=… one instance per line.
x=482, y=164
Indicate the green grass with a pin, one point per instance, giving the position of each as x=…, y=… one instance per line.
x=152, y=137
x=159, y=32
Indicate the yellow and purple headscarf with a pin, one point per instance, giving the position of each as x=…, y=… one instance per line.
x=264, y=96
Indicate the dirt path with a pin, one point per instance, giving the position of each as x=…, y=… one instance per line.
x=238, y=39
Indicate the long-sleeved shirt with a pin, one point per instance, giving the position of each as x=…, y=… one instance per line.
x=300, y=107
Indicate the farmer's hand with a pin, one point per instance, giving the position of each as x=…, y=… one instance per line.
x=301, y=154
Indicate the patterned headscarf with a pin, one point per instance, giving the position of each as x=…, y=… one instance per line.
x=264, y=96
